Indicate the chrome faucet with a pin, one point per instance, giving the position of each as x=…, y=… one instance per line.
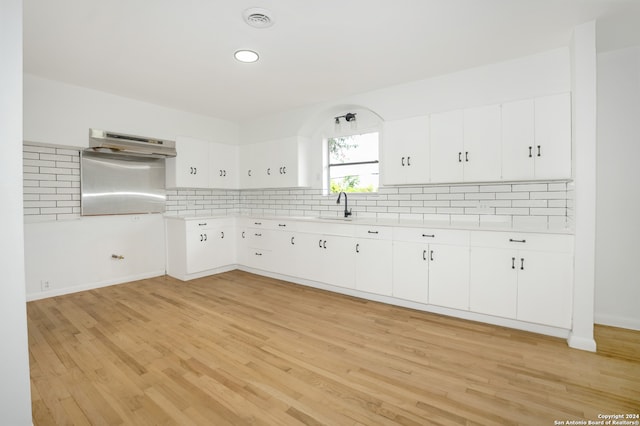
x=347, y=212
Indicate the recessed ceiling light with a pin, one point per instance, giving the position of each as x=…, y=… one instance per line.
x=247, y=56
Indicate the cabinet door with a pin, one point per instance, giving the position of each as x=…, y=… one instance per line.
x=224, y=246
x=373, y=266
x=518, y=140
x=337, y=262
x=447, y=147
x=286, y=252
x=405, y=151
x=545, y=287
x=242, y=245
x=190, y=168
x=200, y=250
x=411, y=271
x=553, y=137
x=250, y=159
x=284, y=163
x=449, y=276
x=482, y=156
x=310, y=256
x=223, y=166
x=493, y=281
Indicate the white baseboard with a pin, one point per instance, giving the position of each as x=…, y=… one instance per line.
x=617, y=321
x=582, y=343
x=92, y=286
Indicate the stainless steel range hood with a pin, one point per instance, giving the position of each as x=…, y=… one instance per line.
x=120, y=143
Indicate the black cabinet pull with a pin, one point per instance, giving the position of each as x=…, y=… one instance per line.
x=201, y=237
x=511, y=240
x=402, y=161
x=221, y=234
x=269, y=171
x=522, y=264
x=282, y=225
x=242, y=234
x=429, y=235
x=357, y=248
x=249, y=172
x=205, y=237
x=513, y=263
x=257, y=223
x=372, y=232
x=224, y=173
x=460, y=157
x=258, y=254
x=530, y=148
x=408, y=161
x=320, y=243
x=466, y=156
x=202, y=224
x=424, y=255
x=431, y=255
x=284, y=170
x=324, y=245
x=280, y=170
x=257, y=235
x=292, y=243
x=538, y=150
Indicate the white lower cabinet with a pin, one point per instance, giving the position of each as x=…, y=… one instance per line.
x=432, y=266
x=528, y=277
x=449, y=276
x=327, y=258
x=199, y=245
x=373, y=260
x=411, y=271
x=519, y=276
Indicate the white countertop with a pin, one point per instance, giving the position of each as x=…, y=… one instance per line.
x=498, y=226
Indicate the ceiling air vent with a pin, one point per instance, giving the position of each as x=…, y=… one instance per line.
x=258, y=18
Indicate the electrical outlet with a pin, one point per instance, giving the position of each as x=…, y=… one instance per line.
x=44, y=285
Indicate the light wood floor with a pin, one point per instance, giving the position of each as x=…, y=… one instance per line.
x=242, y=349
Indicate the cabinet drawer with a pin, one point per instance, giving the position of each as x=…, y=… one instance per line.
x=432, y=235
x=523, y=240
x=326, y=228
x=207, y=223
x=260, y=238
x=374, y=232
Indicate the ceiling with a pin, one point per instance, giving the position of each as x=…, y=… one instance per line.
x=179, y=53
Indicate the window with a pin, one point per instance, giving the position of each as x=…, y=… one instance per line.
x=353, y=163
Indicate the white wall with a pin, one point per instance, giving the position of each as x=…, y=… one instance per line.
x=618, y=194
x=61, y=114
x=75, y=255
x=15, y=399
x=537, y=75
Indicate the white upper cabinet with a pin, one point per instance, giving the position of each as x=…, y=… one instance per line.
x=553, y=137
x=518, y=140
x=465, y=145
x=482, y=147
x=405, y=151
x=274, y=164
x=190, y=168
x=447, y=146
x=536, y=138
x=223, y=166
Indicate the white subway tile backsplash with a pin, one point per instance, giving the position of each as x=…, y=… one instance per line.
x=473, y=188
x=52, y=192
x=529, y=187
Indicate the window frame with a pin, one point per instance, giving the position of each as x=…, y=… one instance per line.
x=327, y=157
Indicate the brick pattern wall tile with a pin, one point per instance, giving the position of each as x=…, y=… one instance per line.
x=52, y=192
x=51, y=178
